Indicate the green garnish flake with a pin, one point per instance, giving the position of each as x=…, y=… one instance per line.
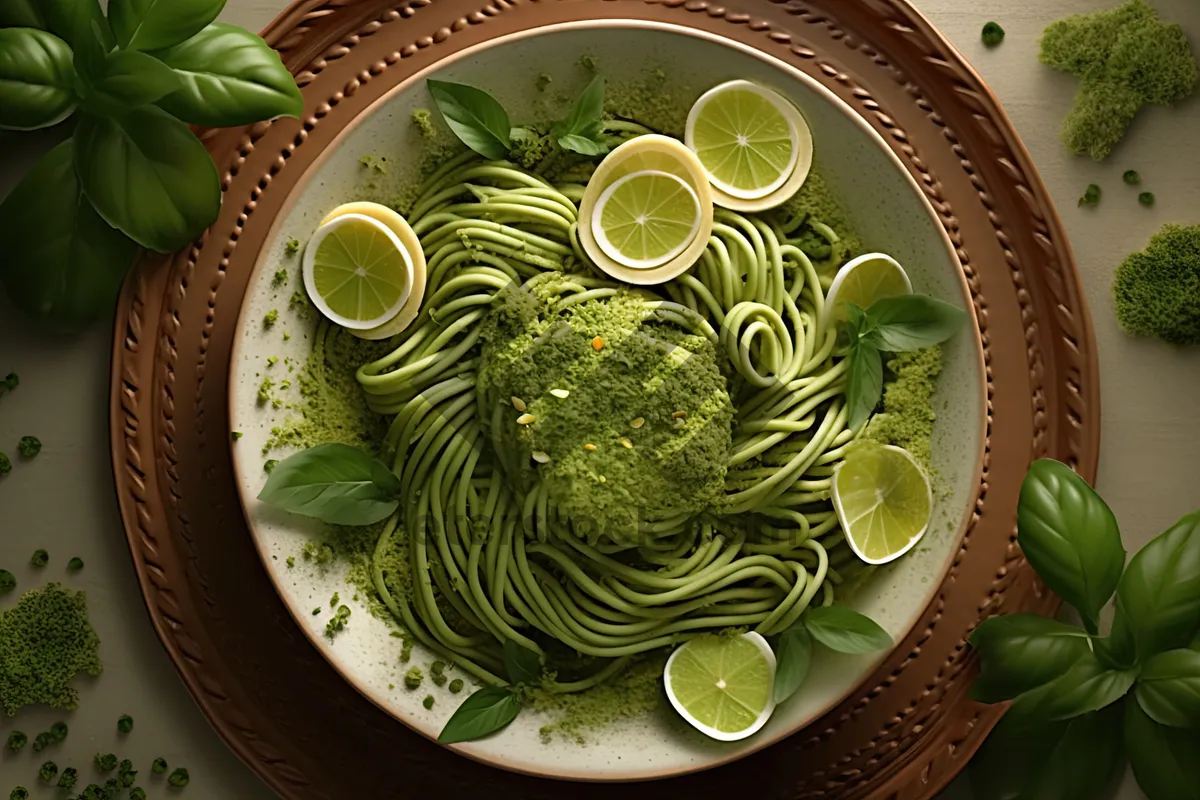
x=281, y=276
x=8, y=581
x=338, y=623
x=17, y=740
x=993, y=34
x=272, y=361
x=48, y=772
x=264, y=391
x=413, y=678
x=42, y=741
x=5, y=464
x=271, y=318
x=366, y=161
x=321, y=554
x=269, y=465
x=333, y=601
x=428, y=701
x=125, y=723
x=291, y=562
x=75, y=564
x=1131, y=177
x=29, y=446
x=1146, y=198
x=1091, y=196
x=58, y=731
x=316, y=611
x=137, y=793
x=68, y=778
x=292, y=247
x=106, y=762
x=11, y=381
x=543, y=80
x=1125, y=58
x=126, y=773
x=588, y=62
x=40, y=558
x=456, y=686
x=235, y=435
x=422, y=118
x=19, y=793
x=179, y=778
x=159, y=766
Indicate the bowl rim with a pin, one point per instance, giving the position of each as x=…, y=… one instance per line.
x=474, y=750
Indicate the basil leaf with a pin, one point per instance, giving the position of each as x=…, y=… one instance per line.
x=864, y=383
x=793, y=657
x=37, y=82
x=1076, y=760
x=1118, y=650
x=1020, y=652
x=135, y=79
x=1159, y=593
x=21, y=14
x=229, y=77
x=582, y=145
x=68, y=273
x=484, y=712
x=1168, y=688
x=912, y=321
x=155, y=24
x=335, y=483
x=1070, y=537
x=522, y=664
x=148, y=176
x=91, y=54
x=1086, y=686
x=843, y=629
x=1163, y=759
x=60, y=17
x=475, y=116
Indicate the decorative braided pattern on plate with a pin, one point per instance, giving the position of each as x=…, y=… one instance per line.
x=906, y=732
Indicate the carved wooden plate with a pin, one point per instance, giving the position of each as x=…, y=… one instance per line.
x=903, y=732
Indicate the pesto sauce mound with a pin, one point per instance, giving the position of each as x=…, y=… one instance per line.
x=907, y=417
x=644, y=430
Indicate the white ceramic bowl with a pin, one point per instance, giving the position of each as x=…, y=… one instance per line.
x=887, y=210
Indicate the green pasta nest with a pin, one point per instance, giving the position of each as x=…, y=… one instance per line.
x=620, y=415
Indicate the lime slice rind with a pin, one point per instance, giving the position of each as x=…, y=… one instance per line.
x=750, y=139
x=723, y=686
x=862, y=281
x=645, y=219
x=357, y=272
x=883, y=500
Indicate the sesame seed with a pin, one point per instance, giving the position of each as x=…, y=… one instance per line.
x=526, y=419
x=519, y=404
x=597, y=344
x=561, y=394
x=680, y=422
x=637, y=423
x=540, y=457
x=626, y=442
x=589, y=446
x=679, y=415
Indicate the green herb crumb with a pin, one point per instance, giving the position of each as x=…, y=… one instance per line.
x=269, y=465
x=68, y=778
x=338, y=623
x=58, y=731
x=264, y=391
x=1125, y=58
x=271, y=318
x=428, y=701
x=8, y=581
x=125, y=723
x=333, y=601
x=106, y=762
x=40, y=558
x=316, y=611
x=11, y=381
x=45, y=641
x=1091, y=195
x=29, y=446
x=438, y=680
x=235, y=435
x=17, y=740
x=5, y=464
x=291, y=562
x=406, y=651
x=588, y=62
x=126, y=773
x=437, y=667
x=159, y=766
x=179, y=778
x=543, y=80
x=281, y=277
x=1131, y=177
x=413, y=678
x=292, y=247
x=137, y=793
x=1146, y=198
x=456, y=685
x=42, y=741
x=75, y=564
x=19, y=793
x=48, y=772
x=272, y=361
x=319, y=553
x=993, y=34
x=1157, y=290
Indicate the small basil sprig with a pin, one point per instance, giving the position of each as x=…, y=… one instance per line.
x=475, y=117
x=840, y=628
x=890, y=325
x=334, y=483
x=1135, y=692
x=133, y=174
x=492, y=708
x=583, y=130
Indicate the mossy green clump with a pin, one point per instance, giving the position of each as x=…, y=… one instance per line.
x=530, y=147
x=647, y=101
x=908, y=416
x=422, y=118
x=45, y=641
x=1125, y=58
x=413, y=678
x=1157, y=290
x=624, y=416
x=815, y=204
x=633, y=693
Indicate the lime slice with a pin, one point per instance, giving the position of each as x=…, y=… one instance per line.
x=412, y=245
x=748, y=138
x=357, y=272
x=864, y=280
x=645, y=219
x=723, y=685
x=653, y=153
x=883, y=501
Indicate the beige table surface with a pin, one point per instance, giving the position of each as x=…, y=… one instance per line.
x=64, y=500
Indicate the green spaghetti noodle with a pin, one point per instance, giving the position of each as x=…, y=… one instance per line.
x=720, y=454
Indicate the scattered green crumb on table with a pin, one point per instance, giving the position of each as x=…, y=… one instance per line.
x=271, y=318
x=5, y=464
x=68, y=778
x=159, y=766
x=1091, y=195
x=179, y=778
x=280, y=279
x=8, y=581
x=428, y=701
x=49, y=772
x=17, y=740
x=413, y=678
x=75, y=564
x=29, y=446
x=125, y=723
x=292, y=247
x=992, y=34
x=1131, y=177
x=1146, y=198
x=105, y=763
x=1157, y=290
x=40, y=558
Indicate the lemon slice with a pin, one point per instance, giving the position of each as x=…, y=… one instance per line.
x=412, y=245
x=723, y=685
x=864, y=280
x=655, y=153
x=645, y=219
x=755, y=145
x=883, y=500
x=357, y=272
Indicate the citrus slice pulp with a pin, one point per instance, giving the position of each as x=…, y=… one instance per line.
x=723, y=685
x=864, y=280
x=883, y=500
x=646, y=218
